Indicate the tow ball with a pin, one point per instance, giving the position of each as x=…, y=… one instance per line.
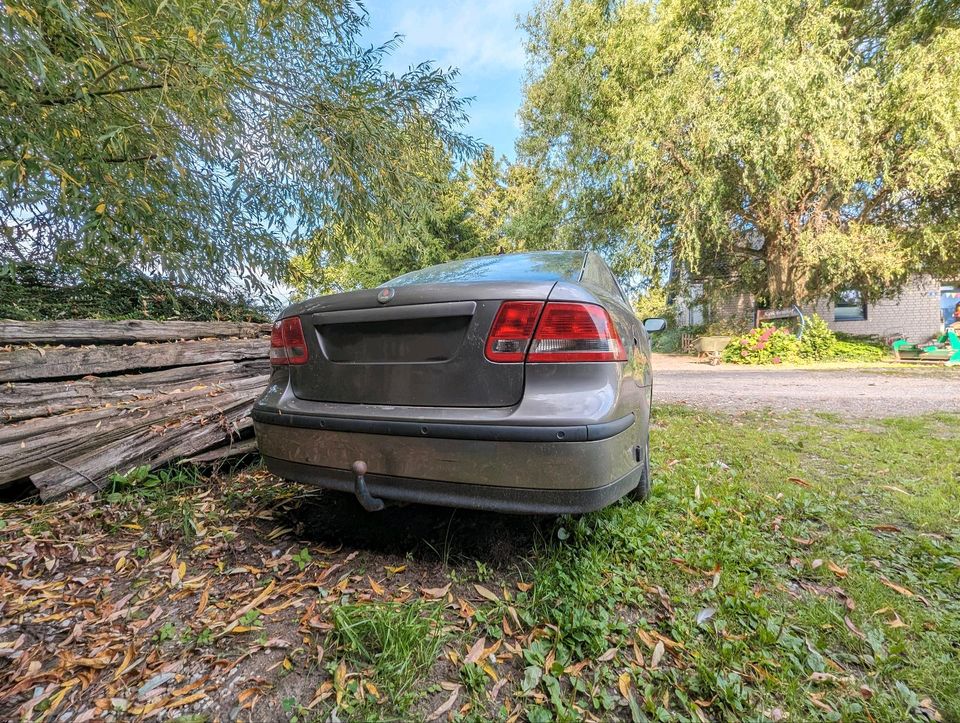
x=366, y=500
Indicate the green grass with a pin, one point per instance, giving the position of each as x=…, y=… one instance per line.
x=774, y=587
x=394, y=644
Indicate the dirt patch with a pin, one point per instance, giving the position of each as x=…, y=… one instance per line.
x=866, y=391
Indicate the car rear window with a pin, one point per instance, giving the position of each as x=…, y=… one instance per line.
x=540, y=266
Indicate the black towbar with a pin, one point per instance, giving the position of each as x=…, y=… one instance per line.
x=366, y=500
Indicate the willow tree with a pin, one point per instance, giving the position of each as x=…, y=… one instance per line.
x=480, y=207
x=203, y=139
x=799, y=147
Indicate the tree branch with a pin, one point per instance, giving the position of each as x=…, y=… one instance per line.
x=99, y=93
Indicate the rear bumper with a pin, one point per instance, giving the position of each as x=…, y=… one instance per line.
x=514, y=500
x=548, y=470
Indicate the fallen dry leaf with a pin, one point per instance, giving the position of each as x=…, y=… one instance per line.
x=436, y=592
x=840, y=572
x=446, y=707
x=657, y=654
x=898, y=588
x=485, y=593
x=476, y=651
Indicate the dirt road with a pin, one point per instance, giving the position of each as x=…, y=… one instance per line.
x=873, y=391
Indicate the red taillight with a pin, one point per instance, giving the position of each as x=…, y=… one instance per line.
x=566, y=332
x=575, y=333
x=287, y=343
x=278, y=354
x=511, y=331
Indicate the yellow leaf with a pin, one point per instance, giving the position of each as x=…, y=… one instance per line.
x=623, y=683
x=837, y=570
x=101, y=207
x=395, y=570
x=898, y=588
x=121, y=563
x=339, y=681
x=375, y=586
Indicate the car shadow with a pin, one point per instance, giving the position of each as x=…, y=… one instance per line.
x=423, y=532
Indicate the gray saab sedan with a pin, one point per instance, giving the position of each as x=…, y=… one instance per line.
x=516, y=383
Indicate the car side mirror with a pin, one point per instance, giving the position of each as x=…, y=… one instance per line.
x=654, y=325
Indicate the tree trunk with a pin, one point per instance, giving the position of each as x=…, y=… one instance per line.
x=786, y=274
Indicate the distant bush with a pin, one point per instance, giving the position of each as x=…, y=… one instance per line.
x=769, y=344
x=858, y=350
x=766, y=344
x=818, y=339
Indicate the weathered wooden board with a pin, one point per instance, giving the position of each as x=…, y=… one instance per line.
x=233, y=449
x=146, y=446
x=27, y=400
x=27, y=448
x=97, y=331
x=65, y=363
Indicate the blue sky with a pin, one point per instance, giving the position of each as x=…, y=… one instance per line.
x=479, y=38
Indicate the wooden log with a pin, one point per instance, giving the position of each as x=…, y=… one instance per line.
x=67, y=363
x=149, y=446
x=98, y=331
x=233, y=449
x=28, y=400
x=27, y=448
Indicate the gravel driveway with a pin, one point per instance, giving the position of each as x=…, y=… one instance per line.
x=873, y=391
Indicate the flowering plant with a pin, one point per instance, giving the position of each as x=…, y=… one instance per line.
x=767, y=344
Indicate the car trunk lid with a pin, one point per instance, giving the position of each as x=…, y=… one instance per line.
x=419, y=345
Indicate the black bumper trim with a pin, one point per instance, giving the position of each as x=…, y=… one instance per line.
x=447, y=430
x=514, y=500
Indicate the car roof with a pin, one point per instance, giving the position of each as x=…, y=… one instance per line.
x=529, y=266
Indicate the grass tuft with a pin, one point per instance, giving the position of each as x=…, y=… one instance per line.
x=396, y=642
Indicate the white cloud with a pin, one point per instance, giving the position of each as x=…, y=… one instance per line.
x=470, y=35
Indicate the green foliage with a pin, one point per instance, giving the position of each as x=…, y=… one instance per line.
x=399, y=641
x=775, y=345
x=766, y=344
x=206, y=139
x=857, y=351
x=748, y=542
x=799, y=148
x=818, y=340
x=34, y=292
x=654, y=303
x=482, y=207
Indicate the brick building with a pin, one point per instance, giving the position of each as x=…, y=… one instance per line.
x=917, y=314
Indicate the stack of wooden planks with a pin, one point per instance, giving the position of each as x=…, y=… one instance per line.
x=82, y=399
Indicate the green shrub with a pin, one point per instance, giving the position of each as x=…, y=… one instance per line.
x=774, y=345
x=858, y=351
x=818, y=341
x=766, y=344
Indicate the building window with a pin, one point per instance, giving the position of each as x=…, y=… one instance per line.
x=849, y=306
